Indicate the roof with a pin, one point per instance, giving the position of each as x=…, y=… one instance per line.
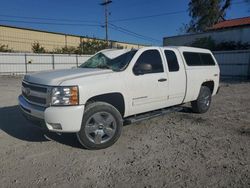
x=238, y=22
x=188, y=49
x=180, y=48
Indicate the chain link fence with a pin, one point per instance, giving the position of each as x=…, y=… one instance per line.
x=234, y=65
x=22, y=63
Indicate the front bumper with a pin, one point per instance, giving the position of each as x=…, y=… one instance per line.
x=56, y=119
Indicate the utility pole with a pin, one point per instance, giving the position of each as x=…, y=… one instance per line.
x=105, y=3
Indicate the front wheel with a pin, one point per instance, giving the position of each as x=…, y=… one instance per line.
x=203, y=102
x=101, y=126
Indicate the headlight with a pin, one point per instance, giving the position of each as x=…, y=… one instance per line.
x=64, y=96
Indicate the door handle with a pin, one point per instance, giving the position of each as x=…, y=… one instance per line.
x=162, y=80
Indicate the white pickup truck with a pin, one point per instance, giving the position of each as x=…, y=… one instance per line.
x=114, y=86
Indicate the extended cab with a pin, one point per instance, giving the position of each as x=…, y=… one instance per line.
x=95, y=99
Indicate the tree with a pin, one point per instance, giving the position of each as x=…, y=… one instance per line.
x=209, y=43
x=5, y=48
x=66, y=50
x=91, y=46
x=37, y=48
x=206, y=13
x=204, y=42
x=248, y=2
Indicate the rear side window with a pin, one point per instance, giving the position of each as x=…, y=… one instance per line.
x=153, y=58
x=207, y=59
x=192, y=59
x=172, y=61
x=198, y=59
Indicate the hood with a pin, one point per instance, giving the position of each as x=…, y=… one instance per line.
x=56, y=77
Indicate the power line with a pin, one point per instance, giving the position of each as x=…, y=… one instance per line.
x=50, y=19
x=149, y=16
x=127, y=32
x=116, y=20
x=134, y=33
x=162, y=14
x=52, y=23
x=115, y=27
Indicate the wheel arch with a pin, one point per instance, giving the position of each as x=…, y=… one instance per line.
x=115, y=99
x=210, y=84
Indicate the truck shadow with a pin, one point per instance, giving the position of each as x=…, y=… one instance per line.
x=14, y=124
x=187, y=110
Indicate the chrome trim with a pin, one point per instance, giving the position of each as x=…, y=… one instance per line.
x=49, y=95
x=42, y=95
x=34, y=103
x=36, y=111
x=36, y=93
x=36, y=85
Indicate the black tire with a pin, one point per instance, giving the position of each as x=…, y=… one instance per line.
x=96, y=111
x=203, y=102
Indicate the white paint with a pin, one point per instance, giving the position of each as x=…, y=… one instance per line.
x=70, y=118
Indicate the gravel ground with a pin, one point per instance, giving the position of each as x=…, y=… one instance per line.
x=176, y=150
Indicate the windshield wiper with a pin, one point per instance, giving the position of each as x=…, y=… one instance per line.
x=99, y=67
x=104, y=67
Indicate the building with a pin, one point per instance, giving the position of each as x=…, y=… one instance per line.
x=21, y=39
x=236, y=30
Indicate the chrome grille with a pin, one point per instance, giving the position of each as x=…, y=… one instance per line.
x=35, y=94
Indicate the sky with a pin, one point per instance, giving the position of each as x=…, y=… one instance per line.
x=86, y=17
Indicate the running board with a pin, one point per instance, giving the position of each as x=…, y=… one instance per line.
x=152, y=114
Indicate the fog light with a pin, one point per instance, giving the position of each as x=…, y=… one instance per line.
x=56, y=126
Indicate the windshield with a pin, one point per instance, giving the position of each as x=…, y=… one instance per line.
x=117, y=60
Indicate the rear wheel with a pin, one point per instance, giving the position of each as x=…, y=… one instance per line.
x=203, y=102
x=101, y=126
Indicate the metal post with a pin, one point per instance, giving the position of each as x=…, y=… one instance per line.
x=76, y=60
x=25, y=62
x=66, y=41
x=53, y=61
x=81, y=45
x=105, y=3
x=106, y=22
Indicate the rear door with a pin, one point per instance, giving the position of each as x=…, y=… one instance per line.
x=176, y=76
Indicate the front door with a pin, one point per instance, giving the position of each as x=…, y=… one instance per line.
x=149, y=83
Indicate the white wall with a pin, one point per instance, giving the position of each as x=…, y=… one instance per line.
x=233, y=34
x=20, y=63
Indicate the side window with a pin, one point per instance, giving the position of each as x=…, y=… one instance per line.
x=207, y=59
x=198, y=59
x=149, y=62
x=173, y=65
x=192, y=59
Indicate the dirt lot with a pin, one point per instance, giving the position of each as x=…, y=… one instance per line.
x=176, y=150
